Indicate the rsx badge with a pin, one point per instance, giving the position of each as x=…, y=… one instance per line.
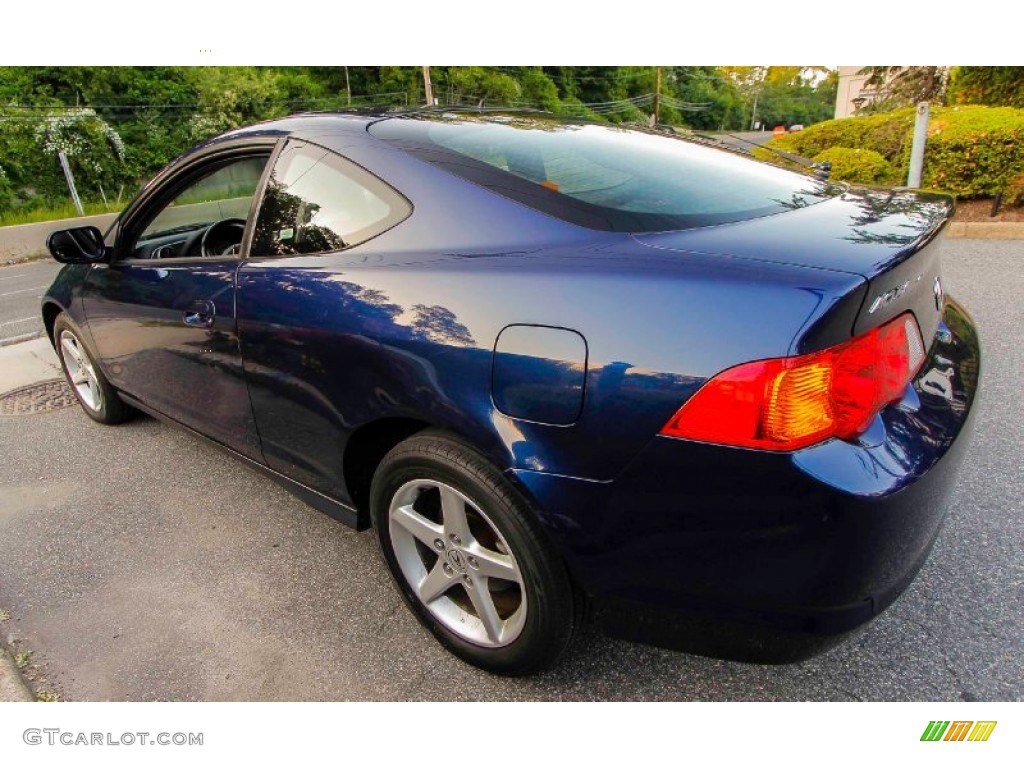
x=888, y=297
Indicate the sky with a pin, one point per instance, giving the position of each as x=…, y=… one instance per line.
x=452, y=32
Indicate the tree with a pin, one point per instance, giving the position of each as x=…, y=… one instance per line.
x=88, y=143
x=705, y=86
x=161, y=111
x=992, y=86
x=783, y=95
x=803, y=95
x=234, y=96
x=905, y=86
x=539, y=89
x=749, y=81
x=479, y=85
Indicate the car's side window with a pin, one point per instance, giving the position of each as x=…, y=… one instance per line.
x=207, y=218
x=317, y=201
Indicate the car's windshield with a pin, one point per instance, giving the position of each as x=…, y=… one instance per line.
x=605, y=177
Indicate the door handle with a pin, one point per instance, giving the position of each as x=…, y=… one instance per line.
x=200, y=314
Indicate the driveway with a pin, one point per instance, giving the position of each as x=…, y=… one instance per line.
x=137, y=563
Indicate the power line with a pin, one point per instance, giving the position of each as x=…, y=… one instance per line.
x=616, y=78
x=115, y=107
x=35, y=113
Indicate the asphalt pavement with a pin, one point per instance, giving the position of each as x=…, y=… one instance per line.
x=136, y=563
x=21, y=286
x=744, y=140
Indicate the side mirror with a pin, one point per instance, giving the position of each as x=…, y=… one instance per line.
x=81, y=245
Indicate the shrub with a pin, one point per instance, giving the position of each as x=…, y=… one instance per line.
x=1015, y=191
x=972, y=151
x=886, y=134
x=859, y=166
x=975, y=151
x=29, y=147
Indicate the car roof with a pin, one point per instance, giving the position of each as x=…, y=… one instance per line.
x=307, y=124
x=334, y=123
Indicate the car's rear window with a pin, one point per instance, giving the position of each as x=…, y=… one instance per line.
x=604, y=177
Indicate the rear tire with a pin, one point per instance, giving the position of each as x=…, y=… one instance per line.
x=98, y=399
x=470, y=558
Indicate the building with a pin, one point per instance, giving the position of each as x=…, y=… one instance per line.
x=852, y=92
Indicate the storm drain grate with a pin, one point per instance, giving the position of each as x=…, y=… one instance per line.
x=37, y=398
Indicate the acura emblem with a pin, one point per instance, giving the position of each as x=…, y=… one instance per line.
x=457, y=560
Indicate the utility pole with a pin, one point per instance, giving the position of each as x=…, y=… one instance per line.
x=917, y=148
x=428, y=91
x=657, y=95
x=348, y=87
x=753, y=112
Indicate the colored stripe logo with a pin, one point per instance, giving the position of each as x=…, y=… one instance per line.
x=958, y=730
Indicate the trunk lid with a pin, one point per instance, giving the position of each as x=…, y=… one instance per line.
x=893, y=239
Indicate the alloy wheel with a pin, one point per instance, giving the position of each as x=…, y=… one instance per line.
x=457, y=563
x=81, y=371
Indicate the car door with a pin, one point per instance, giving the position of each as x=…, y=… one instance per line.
x=162, y=313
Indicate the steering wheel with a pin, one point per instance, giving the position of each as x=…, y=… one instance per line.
x=222, y=238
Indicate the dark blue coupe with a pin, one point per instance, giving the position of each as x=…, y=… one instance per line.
x=564, y=371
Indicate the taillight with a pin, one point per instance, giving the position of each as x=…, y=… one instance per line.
x=787, y=403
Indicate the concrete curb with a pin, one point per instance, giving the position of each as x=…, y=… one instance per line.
x=20, y=338
x=987, y=230
x=12, y=685
x=18, y=261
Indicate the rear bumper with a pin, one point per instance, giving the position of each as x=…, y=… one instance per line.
x=771, y=557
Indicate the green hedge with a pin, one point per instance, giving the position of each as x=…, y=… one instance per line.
x=859, y=166
x=885, y=133
x=975, y=151
x=972, y=151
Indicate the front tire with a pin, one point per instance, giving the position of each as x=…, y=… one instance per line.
x=470, y=558
x=98, y=399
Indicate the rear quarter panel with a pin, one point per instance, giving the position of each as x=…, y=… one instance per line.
x=332, y=343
